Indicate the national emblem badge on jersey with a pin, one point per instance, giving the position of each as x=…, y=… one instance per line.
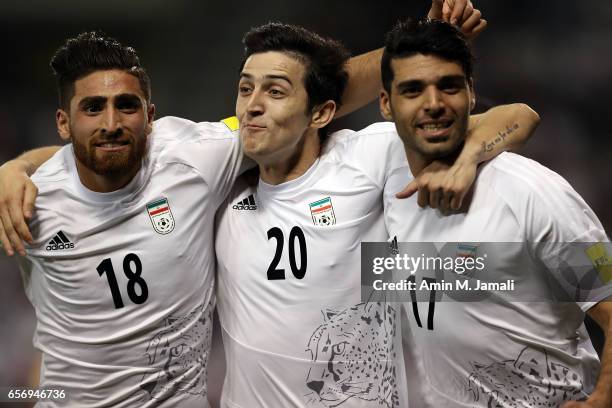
x=161, y=216
x=322, y=212
x=466, y=250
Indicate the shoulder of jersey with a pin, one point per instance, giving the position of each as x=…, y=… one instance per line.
x=179, y=129
x=382, y=132
x=515, y=177
x=53, y=170
x=512, y=166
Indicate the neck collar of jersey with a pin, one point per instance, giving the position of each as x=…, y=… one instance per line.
x=289, y=186
x=132, y=187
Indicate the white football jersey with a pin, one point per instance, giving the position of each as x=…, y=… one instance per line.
x=295, y=330
x=507, y=349
x=122, y=282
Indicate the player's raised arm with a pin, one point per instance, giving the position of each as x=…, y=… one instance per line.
x=506, y=127
x=363, y=70
x=17, y=195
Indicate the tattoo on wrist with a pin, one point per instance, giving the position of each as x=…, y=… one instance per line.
x=500, y=137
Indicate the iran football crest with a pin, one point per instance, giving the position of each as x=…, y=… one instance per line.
x=322, y=212
x=161, y=216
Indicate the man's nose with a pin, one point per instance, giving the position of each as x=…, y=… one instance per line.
x=111, y=121
x=434, y=103
x=255, y=104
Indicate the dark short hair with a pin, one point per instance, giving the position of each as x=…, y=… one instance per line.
x=323, y=58
x=94, y=51
x=427, y=37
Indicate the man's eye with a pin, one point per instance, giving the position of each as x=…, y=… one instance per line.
x=93, y=108
x=276, y=93
x=450, y=88
x=128, y=107
x=412, y=91
x=244, y=90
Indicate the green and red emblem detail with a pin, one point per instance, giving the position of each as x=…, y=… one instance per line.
x=161, y=216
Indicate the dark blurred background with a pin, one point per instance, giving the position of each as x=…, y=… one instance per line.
x=554, y=55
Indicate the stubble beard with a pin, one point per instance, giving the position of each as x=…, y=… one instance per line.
x=114, y=164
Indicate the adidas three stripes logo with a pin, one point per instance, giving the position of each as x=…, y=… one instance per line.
x=246, y=204
x=60, y=241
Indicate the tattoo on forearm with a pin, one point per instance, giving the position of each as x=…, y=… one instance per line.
x=500, y=137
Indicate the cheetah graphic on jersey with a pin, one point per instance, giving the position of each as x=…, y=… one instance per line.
x=532, y=380
x=179, y=352
x=353, y=357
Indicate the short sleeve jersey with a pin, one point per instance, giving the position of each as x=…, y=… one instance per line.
x=295, y=331
x=122, y=282
x=510, y=348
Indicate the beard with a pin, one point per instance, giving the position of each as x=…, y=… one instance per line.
x=111, y=164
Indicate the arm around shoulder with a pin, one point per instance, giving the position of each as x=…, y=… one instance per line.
x=17, y=195
x=502, y=128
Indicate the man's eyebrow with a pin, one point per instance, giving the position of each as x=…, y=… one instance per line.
x=410, y=83
x=248, y=76
x=281, y=77
x=452, y=78
x=128, y=97
x=442, y=80
x=88, y=100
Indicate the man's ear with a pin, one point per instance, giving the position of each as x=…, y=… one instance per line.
x=150, y=118
x=323, y=114
x=385, y=105
x=62, y=121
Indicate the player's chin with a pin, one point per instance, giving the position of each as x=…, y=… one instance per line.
x=117, y=163
x=439, y=149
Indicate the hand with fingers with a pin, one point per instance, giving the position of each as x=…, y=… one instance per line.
x=442, y=186
x=17, y=195
x=460, y=13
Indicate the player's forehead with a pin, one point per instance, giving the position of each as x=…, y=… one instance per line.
x=426, y=68
x=107, y=84
x=274, y=65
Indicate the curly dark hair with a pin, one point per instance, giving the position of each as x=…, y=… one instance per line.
x=427, y=37
x=93, y=51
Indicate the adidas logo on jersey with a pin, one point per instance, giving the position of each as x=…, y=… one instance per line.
x=246, y=204
x=59, y=242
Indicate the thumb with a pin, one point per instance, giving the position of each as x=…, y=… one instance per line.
x=435, y=12
x=29, y=197
x=409, y=190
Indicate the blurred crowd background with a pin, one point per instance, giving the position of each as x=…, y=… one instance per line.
x=554, y=55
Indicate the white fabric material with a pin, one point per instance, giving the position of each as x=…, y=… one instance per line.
x=504, y=351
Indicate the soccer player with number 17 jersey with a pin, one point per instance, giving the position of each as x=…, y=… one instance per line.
x=488, y=345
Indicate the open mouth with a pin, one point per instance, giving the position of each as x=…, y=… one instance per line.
x=435, y=126
x=435, y=129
